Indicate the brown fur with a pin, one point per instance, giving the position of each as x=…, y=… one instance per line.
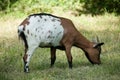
x=25, y=22
x=72, y=37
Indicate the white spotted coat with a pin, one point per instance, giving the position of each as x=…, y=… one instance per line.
x=41, y=31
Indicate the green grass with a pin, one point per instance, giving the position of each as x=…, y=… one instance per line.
x=12, y=51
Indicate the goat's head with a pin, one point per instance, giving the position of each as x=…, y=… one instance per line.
x=93, y=53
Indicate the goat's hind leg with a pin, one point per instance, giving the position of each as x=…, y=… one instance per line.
x=27, y=56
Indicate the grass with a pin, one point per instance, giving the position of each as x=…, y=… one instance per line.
x=106, y=27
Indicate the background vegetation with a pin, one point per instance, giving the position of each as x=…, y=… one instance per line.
x=80, y=6
x=106, y=26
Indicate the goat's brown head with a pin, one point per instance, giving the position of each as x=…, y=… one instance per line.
x=93, y=53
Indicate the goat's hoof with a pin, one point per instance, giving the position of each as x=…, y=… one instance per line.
x=70, y=67
x=51, y=66
x=26, y=69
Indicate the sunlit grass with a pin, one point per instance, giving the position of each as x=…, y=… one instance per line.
x=12, y=51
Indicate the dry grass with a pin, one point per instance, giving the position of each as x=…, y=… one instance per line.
x=8, y=27
x=106, y=27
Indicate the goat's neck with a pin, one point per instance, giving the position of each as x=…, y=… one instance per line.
x=82, y=42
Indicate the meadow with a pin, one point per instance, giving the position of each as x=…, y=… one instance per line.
x=106, y=27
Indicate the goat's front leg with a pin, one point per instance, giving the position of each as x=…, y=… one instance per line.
x=27, y=57
x=69, y=56
x=53, y=55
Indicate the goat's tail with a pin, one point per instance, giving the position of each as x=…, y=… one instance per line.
x=22, y=36
x=20, y=33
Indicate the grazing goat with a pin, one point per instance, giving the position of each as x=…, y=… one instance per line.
x=46, y=30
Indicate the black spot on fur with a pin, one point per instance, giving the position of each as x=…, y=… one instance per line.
x=53, y=20
x=23, y=28
x=59, y=33
x=31, y=34
x=40, y=16
x=36, y=29
x=58, y=20
x=45, y=19
x=28, y=31
x=38, y=20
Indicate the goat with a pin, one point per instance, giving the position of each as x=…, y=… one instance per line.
x=49, y=31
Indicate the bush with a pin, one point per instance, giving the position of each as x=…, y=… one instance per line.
x=93, y=7
x=101, y=6
x=6, y=4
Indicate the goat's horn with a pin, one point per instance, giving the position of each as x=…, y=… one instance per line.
x=97, y=39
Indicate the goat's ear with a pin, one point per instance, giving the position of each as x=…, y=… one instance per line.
x=98, y=44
